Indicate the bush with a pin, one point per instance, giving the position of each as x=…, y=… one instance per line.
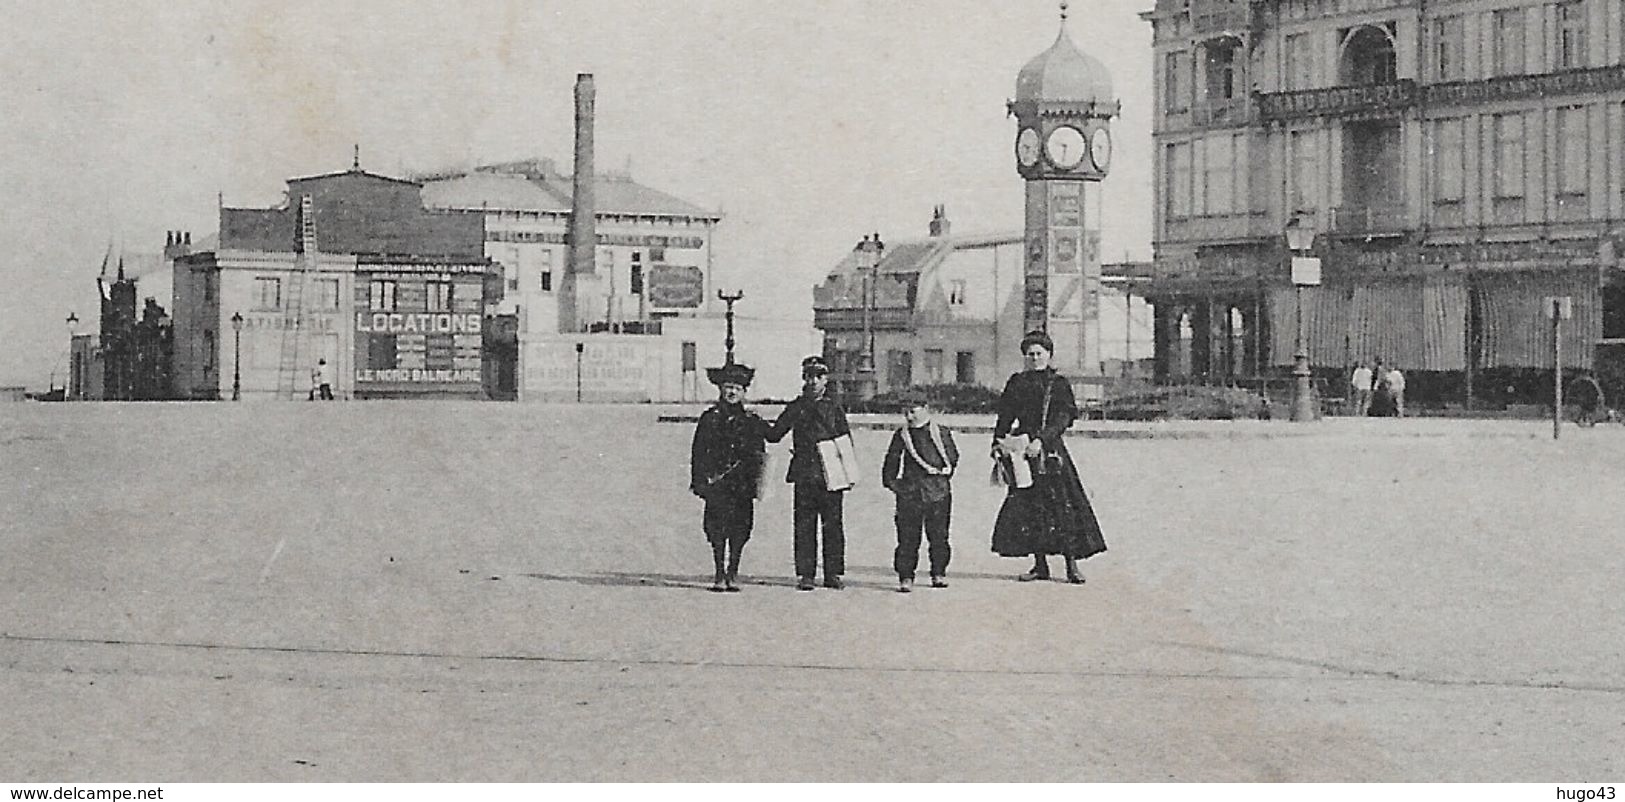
x=950, y=398
x=1187, y=403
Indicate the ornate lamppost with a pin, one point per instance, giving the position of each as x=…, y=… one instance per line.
x=237, y=356
x=870, y=251
x=730, y=299
x=1300, y=239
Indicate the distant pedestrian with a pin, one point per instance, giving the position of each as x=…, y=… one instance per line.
x=1395, y=380
x=725, y=469
x=1046, y=512
x=819, y=424
x=1360, y=388
x=323, y=384
x=918, y=469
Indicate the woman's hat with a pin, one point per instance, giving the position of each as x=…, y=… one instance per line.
x=1038, y=337
x=731, y=374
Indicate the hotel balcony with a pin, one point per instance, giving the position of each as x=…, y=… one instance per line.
x=1388, y=218
x=1220, y=112
x=1208, y=228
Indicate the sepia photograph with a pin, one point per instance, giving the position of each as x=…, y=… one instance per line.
x=1217, y=392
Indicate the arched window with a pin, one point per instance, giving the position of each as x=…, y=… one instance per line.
x=1368, y=57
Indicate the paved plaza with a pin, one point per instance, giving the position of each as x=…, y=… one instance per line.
x=462, y=591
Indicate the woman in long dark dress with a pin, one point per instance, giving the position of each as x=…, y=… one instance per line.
x=1053, y=515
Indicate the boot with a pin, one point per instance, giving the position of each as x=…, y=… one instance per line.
x=730, y=580
x=1072, y=574
x=716, y=559
x=1040, y=570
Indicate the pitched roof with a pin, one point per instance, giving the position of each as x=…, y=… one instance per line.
x=535, y=186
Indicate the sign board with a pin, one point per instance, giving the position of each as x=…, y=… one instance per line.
x=676, y=287
x=1306, y=271
x=1558, y=305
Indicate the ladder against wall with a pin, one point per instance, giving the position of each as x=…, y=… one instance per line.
x=289, y=369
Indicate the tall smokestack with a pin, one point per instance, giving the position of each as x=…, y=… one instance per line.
x=581, y=273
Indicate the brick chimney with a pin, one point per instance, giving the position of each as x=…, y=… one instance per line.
x=939, y=221
x=580, y=271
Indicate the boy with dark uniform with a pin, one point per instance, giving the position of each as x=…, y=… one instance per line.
x=725, y=469
x=814, y=417
x=919, y=464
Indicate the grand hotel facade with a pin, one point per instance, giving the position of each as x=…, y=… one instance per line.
x=1460, y=160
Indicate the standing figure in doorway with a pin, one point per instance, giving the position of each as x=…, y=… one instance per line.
x=321, y=380
x=1046, y=510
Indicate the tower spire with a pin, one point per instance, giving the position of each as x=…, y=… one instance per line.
x=356, y=164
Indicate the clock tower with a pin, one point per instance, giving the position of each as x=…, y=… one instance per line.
x=1063, y=109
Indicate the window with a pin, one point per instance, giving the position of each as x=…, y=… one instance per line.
x=1304, y=163
x=327, y=293
x=965, y=367
x=546, y=278
x=208, y=285
x=956, y=293
x=1179, y=180
x=1449, y=35
x=1509, y=41
x=1571, y=34
x=1221, y=70
x=1175, y=83
x=637, y=273
x=1300, y=62
x=208, y=351
x=267, y=293
x=933, y=366
x=899, y=369
x=439, y=294
x=382, y=295
x=1507, y=206
x=1220, y=168
x=1571, y=163
x=1450, y=175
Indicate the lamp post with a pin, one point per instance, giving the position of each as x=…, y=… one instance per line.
x=870, y=251
x=237, y=356
x=1300, y=239
x=729, y=299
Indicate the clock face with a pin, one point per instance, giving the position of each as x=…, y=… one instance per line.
x=1027, y=147
x=1065, y=147
x=1100, y=149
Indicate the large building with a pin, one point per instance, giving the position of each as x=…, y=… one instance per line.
x=1458, y=162
x=351, y=270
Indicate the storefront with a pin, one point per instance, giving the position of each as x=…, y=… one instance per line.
x=418, y=328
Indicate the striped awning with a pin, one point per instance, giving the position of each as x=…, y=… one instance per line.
x=1420, y=323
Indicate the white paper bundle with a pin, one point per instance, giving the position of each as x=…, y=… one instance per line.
x=840, y=462
x=1015, y=453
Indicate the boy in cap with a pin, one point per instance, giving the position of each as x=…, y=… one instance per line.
x=814, y=417
x=919, y=464
x=725, y=469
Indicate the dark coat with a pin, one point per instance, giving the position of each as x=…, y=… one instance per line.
x=728, y=452
x=907, y=478
x=1053, y=516
x=809, y=421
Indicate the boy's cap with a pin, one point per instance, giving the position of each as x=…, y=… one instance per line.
x=814, y=366
x=913, y=398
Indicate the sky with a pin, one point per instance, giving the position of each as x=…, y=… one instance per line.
x=806, y=124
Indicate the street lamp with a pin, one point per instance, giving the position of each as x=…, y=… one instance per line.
x=1300, y=239
x=237, y=356
x=870, y=251
x=730, y=298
